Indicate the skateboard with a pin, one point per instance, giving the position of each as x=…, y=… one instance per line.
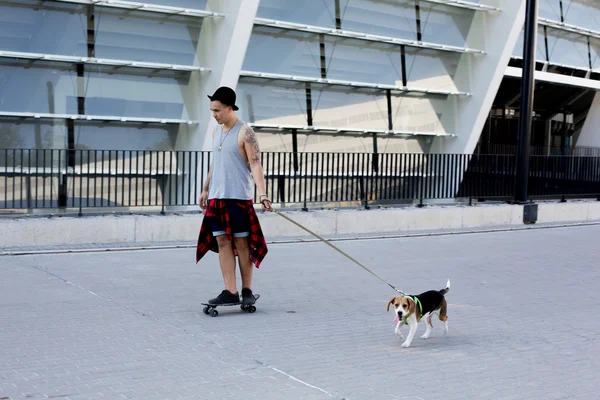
x=211, y=309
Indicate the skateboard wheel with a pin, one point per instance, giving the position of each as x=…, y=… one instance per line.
x=205, y=310
x=243, y=307
x=251, y=309
x=214, y=313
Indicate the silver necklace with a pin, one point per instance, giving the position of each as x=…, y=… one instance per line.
x=225, y=137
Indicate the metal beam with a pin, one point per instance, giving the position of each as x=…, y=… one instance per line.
x=336, y=82
x=362, y=36
x=137, y=6
x=558, y=79
x=100, y=118
x=569, y=28
x=100, y=61
x=464, y=4
x=327, y=130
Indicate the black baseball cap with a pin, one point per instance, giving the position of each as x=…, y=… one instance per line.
x=225, y=95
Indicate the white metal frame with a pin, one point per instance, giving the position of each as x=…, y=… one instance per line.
x=107, y=118
x=137, y=6
x=362, y=36
x=296, y=78
x=331, y=130
x=100, y=61
x=556, y=78
x=569, y=28
x=553, y=64
x=464, y=4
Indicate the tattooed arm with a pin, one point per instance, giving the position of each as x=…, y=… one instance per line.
x=253, y=155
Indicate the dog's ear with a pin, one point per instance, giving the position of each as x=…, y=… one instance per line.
x=389, y=303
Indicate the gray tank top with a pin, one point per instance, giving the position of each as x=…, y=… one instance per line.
x=231, y=177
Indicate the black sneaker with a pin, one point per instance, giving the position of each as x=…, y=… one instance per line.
x=247, y=297
x=226, y=297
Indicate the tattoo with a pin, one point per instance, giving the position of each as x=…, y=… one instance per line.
x=252, y=141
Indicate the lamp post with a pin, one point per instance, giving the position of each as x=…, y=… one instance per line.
x=526, y=106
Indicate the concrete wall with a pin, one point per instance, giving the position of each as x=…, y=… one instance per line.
x=590, y=133
x=106, y=230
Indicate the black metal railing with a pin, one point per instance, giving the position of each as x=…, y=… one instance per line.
x=91, y=179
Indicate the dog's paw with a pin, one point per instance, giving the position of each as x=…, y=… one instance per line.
x=405, y=344
x=424, y=336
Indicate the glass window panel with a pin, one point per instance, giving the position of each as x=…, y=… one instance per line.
x=430, y=69
x=355, y=108
x=31, y=134
x=146, y=36
x=567, y=48
x=540, y=49
x=356, y=60
x=194, y=4
x=310, y=12
x=270, y=102
x=444, y=24
x=41, y=87
x=549, y=9
x=158, y=96
x=582, y=13
x=417, y=113
x=118, y=136
x=595, y=49
x=274, y=142
x=336, y=144
x=284, y=52
x=399, y=145
x=380, y=17
x=50, y=28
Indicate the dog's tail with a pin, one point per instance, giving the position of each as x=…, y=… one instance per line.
x=446, y=289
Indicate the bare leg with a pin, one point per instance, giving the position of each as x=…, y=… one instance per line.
x=227, y=261
x=429, y=327
x=246, y=267
x=397, y=330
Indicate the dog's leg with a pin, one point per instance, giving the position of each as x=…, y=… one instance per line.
x=412, y=323
x=429, y=327
x=443, y=315
x=397, y=330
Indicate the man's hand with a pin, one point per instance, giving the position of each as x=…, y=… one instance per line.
x=266, y=203
x=204, y=199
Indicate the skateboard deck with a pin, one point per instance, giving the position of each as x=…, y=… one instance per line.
x=211, y=309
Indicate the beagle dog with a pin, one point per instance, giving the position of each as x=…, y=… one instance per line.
x=411, y=309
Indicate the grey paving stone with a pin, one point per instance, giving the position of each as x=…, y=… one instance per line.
x=129, y=324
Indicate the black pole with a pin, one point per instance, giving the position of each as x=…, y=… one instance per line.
x=526, y=108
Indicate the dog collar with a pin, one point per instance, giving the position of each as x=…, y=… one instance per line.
x=418, y=302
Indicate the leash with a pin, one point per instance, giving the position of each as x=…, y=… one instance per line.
x=327, y=242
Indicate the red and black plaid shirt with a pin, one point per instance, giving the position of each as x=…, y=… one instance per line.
x=217, y=209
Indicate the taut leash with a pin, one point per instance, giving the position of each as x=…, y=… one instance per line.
x=327, y=242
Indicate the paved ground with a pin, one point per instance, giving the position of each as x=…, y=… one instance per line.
x=129, y=324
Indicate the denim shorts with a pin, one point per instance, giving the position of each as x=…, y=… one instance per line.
x=238, y=219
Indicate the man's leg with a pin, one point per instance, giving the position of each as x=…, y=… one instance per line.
x=246, y=267
x=227, y=261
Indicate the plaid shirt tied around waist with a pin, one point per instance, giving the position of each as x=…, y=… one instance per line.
x=217, y=208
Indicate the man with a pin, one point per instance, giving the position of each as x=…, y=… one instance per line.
x=230, y=226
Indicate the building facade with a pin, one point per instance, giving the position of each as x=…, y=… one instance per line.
x=386, y=76
x=341, y=75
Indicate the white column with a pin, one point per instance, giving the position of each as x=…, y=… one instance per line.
x=496, y=33
x=221, y=47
